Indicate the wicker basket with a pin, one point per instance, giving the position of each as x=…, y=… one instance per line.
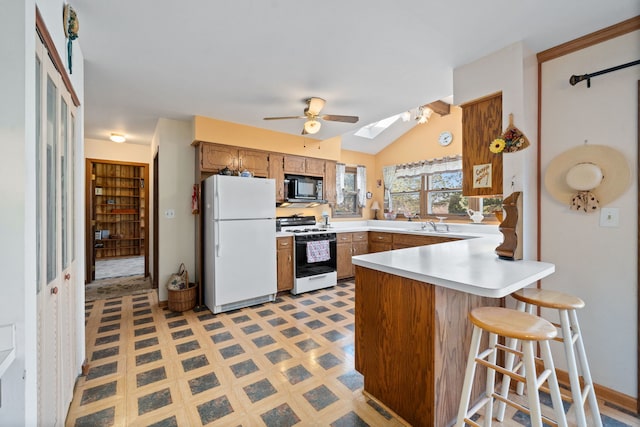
x=184, y=299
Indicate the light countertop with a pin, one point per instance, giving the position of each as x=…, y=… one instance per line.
x=469, y=265
x=462, y=231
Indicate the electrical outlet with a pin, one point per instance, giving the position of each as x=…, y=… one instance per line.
x=609, y=217
x=170, y=213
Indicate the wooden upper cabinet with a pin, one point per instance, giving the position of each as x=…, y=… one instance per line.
x=294, y=164
x=314, y=166
x=481, y=124
x=214, y=157
x=276, y=171
x=255, y=161
x=303, y=165
x=329, y=182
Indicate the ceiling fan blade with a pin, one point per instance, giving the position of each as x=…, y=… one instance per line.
x=345, y=119
x=283, y=118
x=314, y=106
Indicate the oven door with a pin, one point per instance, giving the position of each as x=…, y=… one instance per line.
x=304, y=267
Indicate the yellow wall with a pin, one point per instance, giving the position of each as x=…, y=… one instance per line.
x=221, y=132
x=420, y=143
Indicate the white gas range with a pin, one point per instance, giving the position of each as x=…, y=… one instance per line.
x=315, y=253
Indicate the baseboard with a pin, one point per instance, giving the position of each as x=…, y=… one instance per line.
x=605, y=394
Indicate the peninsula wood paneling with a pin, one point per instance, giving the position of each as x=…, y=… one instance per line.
x=411, y=345
x=481, y=124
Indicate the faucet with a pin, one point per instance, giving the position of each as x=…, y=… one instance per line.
x=435, y=226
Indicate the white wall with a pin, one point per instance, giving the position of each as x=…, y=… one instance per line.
x=596, y=263
x=107, y=150
x=17, y=216
x=176, y=156
x=512, y=71
x=17, y=186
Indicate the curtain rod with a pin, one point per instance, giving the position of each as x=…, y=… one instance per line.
x=577, y=79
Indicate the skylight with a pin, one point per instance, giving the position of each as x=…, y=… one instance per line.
x=372, y=130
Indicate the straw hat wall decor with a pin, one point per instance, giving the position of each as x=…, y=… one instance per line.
x=587, y=176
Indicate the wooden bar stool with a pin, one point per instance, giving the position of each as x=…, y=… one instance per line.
x=566, y=305
x=528, y=330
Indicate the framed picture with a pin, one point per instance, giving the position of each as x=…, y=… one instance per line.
x=482, y=176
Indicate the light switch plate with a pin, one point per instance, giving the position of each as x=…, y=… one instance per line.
x=609, y=217
x=169, y=213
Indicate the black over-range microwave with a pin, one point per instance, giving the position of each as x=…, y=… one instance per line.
x=304, y=188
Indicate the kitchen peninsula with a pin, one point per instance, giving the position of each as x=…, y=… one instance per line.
x=412, y=335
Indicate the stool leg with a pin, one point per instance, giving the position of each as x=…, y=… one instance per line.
x=491, y=378
x=574, y=379
x=532, y=389
x=554, y=388
x=586, y=373
x=509, y=361
x=465, y=396
x=528, y=308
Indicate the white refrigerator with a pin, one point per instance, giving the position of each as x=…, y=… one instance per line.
x=239, y=227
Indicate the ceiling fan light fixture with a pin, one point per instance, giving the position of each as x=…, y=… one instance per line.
x=314, y=105
x=311, y=126
x=424, y=113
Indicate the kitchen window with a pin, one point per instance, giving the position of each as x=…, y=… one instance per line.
x=432, y=188
x=350, y=191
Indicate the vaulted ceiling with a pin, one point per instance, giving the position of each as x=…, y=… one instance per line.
x=243, y=60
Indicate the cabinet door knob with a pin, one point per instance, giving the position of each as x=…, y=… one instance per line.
x=67, y=276
x=289, y=258
x=54, y=290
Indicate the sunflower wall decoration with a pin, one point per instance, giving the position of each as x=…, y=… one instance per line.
x=510, y=141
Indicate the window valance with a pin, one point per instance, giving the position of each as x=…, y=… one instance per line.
x=443, y=164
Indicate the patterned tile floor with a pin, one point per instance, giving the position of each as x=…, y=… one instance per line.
x=278, y=364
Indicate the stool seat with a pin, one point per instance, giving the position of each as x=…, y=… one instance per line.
x=512, y=324
x=548, y=299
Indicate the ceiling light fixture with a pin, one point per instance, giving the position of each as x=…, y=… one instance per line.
x=424, y=113
x=117, y=137
x=311, y=126
x=406, y=116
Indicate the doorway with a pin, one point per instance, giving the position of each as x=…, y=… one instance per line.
x=117, y=239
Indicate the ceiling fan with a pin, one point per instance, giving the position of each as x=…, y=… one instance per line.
x=312, y=114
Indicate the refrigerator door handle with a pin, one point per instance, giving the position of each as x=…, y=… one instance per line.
x=216, y=217
x=217, y=236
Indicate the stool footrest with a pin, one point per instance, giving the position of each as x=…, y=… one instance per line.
x=500, y=369
x=523, y=409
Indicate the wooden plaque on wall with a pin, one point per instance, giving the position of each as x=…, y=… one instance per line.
x=481, y=124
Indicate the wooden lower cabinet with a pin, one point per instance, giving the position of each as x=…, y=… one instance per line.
x=284, y=257
x=380, y=242
x=348, y=245
x=401, y=241
x=411, y=345
x=344, y=258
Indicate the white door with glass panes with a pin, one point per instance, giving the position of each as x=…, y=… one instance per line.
x=55, y=237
